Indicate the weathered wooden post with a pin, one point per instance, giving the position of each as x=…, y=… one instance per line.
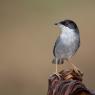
x=69, y=83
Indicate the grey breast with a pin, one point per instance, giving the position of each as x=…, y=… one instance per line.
x=64, y=50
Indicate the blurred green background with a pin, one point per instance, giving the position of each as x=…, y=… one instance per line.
x=27, y=36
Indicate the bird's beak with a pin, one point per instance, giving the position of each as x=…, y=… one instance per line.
x=55, y=23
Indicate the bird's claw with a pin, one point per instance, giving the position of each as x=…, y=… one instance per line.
x=58, y=75
x=77, y=70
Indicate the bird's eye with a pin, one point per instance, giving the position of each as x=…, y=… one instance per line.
x=66, y=24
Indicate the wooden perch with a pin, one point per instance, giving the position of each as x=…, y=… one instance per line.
x=69, y=83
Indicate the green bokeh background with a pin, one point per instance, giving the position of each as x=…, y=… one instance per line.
x=27, y=36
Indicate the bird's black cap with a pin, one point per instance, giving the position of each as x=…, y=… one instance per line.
x=69, y=23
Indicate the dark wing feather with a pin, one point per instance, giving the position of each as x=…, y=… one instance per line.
x=57, y=41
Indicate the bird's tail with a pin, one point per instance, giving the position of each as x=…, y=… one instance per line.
x=57, y=61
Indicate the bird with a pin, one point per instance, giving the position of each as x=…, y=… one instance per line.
x=67, y=43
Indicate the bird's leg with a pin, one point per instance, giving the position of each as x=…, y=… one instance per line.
x=76, y=69
x=56, y=69
x=56, y=73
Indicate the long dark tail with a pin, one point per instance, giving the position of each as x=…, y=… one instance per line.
x=57, y=61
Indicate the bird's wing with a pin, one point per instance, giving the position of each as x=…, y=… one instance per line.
x=56, y=43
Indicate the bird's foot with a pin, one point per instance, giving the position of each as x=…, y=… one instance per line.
x=77, y=70
x=58, y=75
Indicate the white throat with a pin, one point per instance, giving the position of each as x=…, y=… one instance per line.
x=66, y=32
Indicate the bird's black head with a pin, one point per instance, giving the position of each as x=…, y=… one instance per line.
x=69, y=23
